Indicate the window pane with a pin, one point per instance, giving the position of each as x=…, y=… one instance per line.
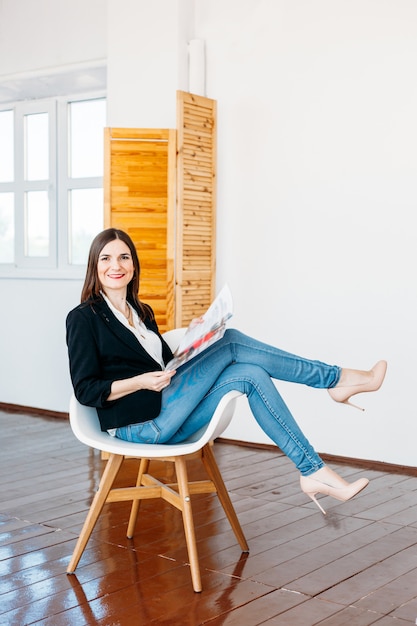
x=37, y=224
x=6, y=147
x=87, y=121
x=86, y=220
x=37, y=146
x=6, y=228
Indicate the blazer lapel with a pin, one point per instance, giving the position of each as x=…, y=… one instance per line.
x=117, y=328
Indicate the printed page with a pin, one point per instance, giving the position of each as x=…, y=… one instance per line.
x=204, y=331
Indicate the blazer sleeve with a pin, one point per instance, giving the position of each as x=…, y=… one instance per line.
x=84, y=360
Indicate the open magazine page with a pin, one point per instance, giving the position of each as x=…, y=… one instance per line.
x=205, y=331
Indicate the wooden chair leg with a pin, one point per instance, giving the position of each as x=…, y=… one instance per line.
x=143, y=468
x=187, y=516
x=112, y=467
x=213, y=471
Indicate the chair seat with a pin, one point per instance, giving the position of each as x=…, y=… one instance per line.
x=85, y=426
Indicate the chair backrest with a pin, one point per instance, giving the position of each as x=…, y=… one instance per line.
x=86, y=427
x=173, y=337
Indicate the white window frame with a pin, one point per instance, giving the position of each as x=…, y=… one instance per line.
x=58, y=186
x=22, y=186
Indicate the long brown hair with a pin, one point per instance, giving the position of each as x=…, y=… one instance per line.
x=92, y=287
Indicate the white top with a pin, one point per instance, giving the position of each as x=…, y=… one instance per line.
x=147, y=338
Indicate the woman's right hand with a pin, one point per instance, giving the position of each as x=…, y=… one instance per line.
x=154, y=381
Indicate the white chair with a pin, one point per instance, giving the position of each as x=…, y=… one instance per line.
x=85, y=425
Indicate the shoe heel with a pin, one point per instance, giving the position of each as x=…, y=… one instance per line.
x=313, y=497
x=355, y=406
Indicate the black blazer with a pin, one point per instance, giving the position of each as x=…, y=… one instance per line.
x=102, y=350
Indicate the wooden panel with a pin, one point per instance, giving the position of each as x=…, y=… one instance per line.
x=140, y=199
x=196, y=206
x=145, y=175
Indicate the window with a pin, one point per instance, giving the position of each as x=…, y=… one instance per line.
x=51, y=183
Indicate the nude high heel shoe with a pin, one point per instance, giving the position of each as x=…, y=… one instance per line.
x=344, y=393
x=328, y=483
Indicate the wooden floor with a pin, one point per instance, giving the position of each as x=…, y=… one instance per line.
x=356, y=566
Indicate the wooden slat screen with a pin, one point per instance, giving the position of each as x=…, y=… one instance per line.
x=196, y=206
x=139, y=197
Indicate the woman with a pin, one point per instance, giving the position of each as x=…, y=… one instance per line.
x=117, y=359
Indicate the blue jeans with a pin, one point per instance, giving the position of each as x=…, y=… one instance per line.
x=244, y=364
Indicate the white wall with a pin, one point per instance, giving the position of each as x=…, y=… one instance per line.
x=34, y=363
x=316, y=191
x=43, y=34
x=147, y=60
x=317, y=169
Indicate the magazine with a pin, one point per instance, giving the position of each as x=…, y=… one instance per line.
x=205, y=330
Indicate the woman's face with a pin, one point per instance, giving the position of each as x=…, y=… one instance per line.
x=115, y=266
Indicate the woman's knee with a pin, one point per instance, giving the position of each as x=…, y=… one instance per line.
x=232, y=335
